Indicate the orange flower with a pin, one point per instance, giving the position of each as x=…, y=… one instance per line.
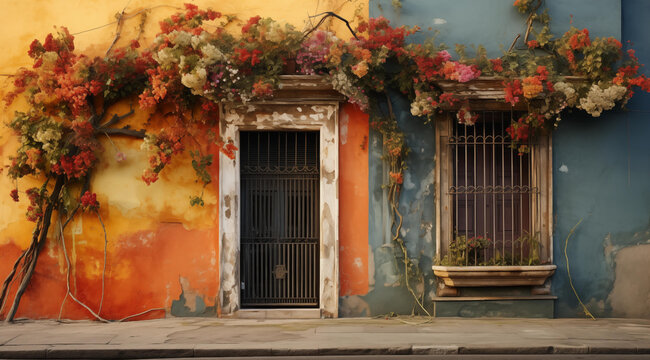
x=397, y=177
x=360, y=69
x=532, y=86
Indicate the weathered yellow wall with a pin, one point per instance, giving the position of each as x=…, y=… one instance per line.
x=158, y=246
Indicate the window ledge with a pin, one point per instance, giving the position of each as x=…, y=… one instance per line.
x=475, y=276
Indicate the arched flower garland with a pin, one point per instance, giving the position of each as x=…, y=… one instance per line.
x=188, y=71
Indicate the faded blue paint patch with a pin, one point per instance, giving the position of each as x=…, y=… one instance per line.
x=495, y=23
x=416, y=205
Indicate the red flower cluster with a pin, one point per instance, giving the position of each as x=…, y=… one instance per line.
x=149, y=176
x=478, y=242
x=243, y=55
x=168, y=142
x=497, y=65
x=466, y=117
x=75, y=166
x=519, y=131
x=580, y=40
x=22, y=80
x=627, y=75
x=522, y=130
x=532, y=44
x=190, y=20
x=262, y=89
x=14, y=195
x=89, y=201
x=448, y=98
x=512, y=90
x=380, y=33
x=252, y=21
x=35, y=208
x=228, y=148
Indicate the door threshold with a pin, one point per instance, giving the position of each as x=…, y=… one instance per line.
x=277, y=314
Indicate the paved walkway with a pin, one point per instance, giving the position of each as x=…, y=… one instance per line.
x=212, y=337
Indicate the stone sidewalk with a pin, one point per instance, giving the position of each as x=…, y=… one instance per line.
x=214, y=337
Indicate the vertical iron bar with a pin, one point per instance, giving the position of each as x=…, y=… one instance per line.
x=465, y=195
x=512, y=202
x=503, y=183
x=521, y=204
x=493, y=169
x=485, y=208
x=474, y=183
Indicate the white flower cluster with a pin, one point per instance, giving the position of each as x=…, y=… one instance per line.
x=212, y=54
x=166, y=56
x=275, y=33
x=599, y=99
x=149, y=143
x=342, y=84
x=49, y=137
x=568, y=91
x=196, y=76
x=181, y=38
x=195, y=80
x=422, y=106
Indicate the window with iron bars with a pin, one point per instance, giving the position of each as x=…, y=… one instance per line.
x=494, y=203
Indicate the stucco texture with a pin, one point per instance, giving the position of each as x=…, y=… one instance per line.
x=601, y=165
x=161, y=252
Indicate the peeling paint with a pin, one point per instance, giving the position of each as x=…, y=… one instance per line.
x=281, y=116
x=630, y=296
x=190, y=302
x=354, y=306
x=345, y=120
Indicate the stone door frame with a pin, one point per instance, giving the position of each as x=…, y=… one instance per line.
x=315, y=115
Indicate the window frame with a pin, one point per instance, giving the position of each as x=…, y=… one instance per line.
x=541, y=177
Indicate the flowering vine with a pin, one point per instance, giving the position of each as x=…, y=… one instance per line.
x=188, y=71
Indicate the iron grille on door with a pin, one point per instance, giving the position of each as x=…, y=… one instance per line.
x=279, y=212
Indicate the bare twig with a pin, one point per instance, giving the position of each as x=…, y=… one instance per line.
x=67, y=280
x=140, y=313
x=322, y=20
x=101, y=301
x=116, y=118
x=514, y=42
x=126, y=17
x=69, y=293
x=120, y=22
x=126, y=131
x=568, y=272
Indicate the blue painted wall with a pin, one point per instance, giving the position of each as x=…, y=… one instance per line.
x=495, y=23
x=608, y=185
x=605, y=179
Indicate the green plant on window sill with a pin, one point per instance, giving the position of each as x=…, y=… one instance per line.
x=464, y=251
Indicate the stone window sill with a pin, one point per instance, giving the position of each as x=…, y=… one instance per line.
x=452, y=277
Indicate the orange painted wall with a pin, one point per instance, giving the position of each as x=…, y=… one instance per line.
x=353, y=201
x=158, y=246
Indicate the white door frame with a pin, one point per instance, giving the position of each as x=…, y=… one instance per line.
x=321, y=116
